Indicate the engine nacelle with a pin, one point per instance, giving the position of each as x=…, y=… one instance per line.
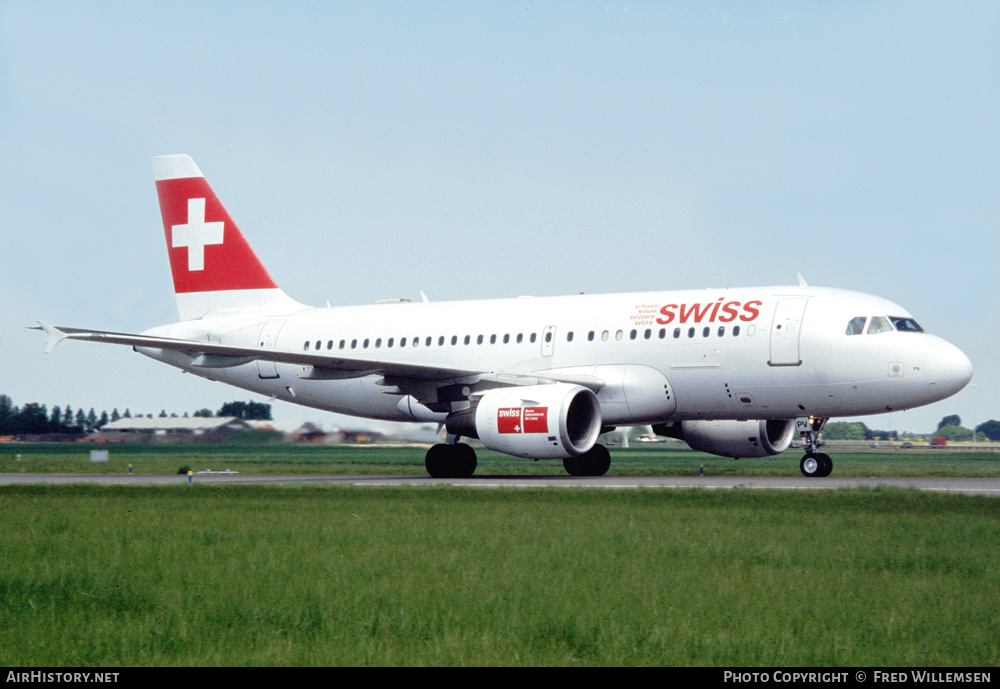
x=537, y=421
x=739, y=439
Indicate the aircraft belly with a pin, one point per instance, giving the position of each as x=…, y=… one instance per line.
x=698, y=376
x=701, y=392
x=354, y=396
x=634, y=395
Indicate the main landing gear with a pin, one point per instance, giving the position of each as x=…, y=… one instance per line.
x=453, y=460
x=815, y=464
x=594, y=462
x=457, y=460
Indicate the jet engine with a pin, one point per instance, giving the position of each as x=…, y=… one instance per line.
x=552, y=421
x=737, y=439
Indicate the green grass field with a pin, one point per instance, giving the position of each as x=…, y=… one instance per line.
x=368, y=459
x=293, y=575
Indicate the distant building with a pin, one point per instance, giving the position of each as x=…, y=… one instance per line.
x=300, y=431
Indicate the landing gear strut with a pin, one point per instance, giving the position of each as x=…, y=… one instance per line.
x=455, y=460
x=815, y=464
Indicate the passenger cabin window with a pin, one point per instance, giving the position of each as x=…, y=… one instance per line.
x=856, y=326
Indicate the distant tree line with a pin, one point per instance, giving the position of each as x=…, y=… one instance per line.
x=246, y=410
x=950, y=428
x=36, y=419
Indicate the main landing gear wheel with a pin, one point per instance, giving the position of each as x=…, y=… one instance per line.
x=594, y=462
x=816, y=465
x=450, y=461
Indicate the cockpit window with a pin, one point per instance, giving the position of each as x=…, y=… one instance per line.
x=905, y=325
x=856, y=326
x=879, y=324
x=882, y=324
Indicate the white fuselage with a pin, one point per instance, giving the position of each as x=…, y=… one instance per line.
x=748, y=353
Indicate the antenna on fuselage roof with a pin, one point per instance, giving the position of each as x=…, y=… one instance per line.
x=423, y=297
x=802, y=280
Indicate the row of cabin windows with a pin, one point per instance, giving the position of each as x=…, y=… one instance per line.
x=415, y=342
x=661, y=334
x=605, y=335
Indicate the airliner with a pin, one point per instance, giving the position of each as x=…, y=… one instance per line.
x=741, y=373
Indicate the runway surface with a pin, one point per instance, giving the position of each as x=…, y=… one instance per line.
x=967, y=486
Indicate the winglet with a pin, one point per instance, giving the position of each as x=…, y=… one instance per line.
x=802, y=280
x=53, y=336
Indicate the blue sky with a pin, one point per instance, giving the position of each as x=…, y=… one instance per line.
x=490, y=149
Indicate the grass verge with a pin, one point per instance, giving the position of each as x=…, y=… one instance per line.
x=266, y=575
x=409, y=460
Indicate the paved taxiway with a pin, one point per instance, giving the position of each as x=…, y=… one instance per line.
x=967, y=486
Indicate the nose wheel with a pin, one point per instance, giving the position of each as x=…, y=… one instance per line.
x=816, y=465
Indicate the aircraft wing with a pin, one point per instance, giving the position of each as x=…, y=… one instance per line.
x=319, y=366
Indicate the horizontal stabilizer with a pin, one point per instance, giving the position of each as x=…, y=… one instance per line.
x=53, y=335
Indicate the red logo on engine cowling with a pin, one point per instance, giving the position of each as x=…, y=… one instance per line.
x=523, y=420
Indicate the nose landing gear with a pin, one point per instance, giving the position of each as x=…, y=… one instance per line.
x=815, y=464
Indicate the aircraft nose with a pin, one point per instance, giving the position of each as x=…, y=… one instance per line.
x=948, y=369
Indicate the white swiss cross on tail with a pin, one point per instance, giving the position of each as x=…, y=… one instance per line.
x=214, y=269
x=196, y=234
